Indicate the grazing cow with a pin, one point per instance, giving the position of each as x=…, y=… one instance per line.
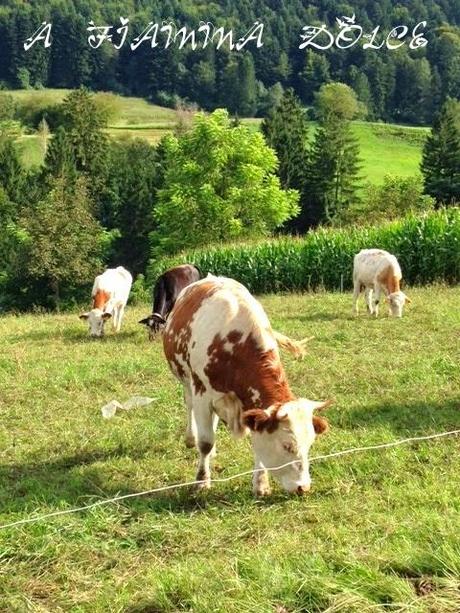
x=378, y=270
x=167, y=288
x=219, y=344
x=110, y=295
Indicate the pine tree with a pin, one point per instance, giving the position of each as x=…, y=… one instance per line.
x=441, y=155
x=11, y=172
x=136, y=172
x=334, y=165
x=60, y=158
x=286, y=131
x=334, y=168
x=247, y=87
x=314, y=74
x=81, y=145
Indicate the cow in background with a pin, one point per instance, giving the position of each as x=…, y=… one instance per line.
x=110, y=294
x=378, y=271
x=220, y=345
x=167, y=288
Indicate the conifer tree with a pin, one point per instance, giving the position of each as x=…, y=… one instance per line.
x=334, y=168
x=441, y=155
x=334, y=165
x=286, y=131
x=11, y=172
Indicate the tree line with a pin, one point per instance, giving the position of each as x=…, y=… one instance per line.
x=96, y=201
x=403, y=85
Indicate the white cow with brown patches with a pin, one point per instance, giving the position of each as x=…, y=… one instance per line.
x=220, y=345
x=378, y=271
x=109, y=296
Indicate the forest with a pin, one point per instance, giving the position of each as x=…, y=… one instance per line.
x=402, y=85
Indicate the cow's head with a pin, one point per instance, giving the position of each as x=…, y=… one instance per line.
x=285, y=434
x=96, y=320
x=396, y=302
x=154, y=323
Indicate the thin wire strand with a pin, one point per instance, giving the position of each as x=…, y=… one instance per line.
x=164, y=488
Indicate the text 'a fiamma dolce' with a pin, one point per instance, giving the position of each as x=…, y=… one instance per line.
x=346, y=34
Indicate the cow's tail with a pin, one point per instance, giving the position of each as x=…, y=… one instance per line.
x=297, y=348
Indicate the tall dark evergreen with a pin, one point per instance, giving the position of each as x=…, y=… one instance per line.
x=334, y=169
x=135, y=174
x=12, y=175
x=60, y=158
x=441, y=155
x=286, y=130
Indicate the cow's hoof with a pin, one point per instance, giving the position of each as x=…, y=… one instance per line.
x=204, y=485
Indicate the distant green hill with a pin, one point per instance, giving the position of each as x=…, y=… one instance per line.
x=385, y=148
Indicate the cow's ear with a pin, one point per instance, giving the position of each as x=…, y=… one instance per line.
x=146, y=321
x=323, y=404
x=320, y=424
x=259, y=420
x=84, y=316
x=106, y=316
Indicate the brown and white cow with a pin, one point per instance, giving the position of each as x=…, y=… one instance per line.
x=378, y=271
x=219, y=343
x=167, y=288
x=109, y=295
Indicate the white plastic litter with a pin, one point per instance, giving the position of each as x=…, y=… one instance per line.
x=109, y=409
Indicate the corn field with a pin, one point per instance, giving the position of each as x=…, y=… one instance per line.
x=427, y=247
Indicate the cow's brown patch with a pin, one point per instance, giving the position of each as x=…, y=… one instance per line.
x=198, y=384
x=176, y=341
x=205, y=447
x=100, y=299
x=234, y=336
x=388, y=279
x=320, y=424
x=246, y=368
x=258, y=420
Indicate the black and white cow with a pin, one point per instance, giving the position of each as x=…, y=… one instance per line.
x=167, y=288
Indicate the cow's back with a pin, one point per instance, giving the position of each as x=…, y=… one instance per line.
x=170, y=284
x=370, y=264
x=219, y=339
x=116, y=282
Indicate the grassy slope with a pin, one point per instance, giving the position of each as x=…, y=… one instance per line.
x=377, y=528
x=385, y=149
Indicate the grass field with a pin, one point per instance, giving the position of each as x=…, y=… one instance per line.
x=385, y=148
x=380, y=530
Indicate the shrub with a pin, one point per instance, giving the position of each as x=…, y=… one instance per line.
x=427, y=247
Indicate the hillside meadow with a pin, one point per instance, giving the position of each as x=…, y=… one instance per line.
x=385, y=148
x=378, y=532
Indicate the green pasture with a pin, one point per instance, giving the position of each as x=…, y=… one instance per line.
x=385, y=148
x=380, y=530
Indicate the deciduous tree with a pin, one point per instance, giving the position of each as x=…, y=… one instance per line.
x=219, y=185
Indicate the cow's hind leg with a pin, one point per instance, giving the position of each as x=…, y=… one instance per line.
x=368, y=295
x=356, y=292
x=115, y=316
x=376, y=300
x=190, y=433
x=120, y=312
x=206, y=425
